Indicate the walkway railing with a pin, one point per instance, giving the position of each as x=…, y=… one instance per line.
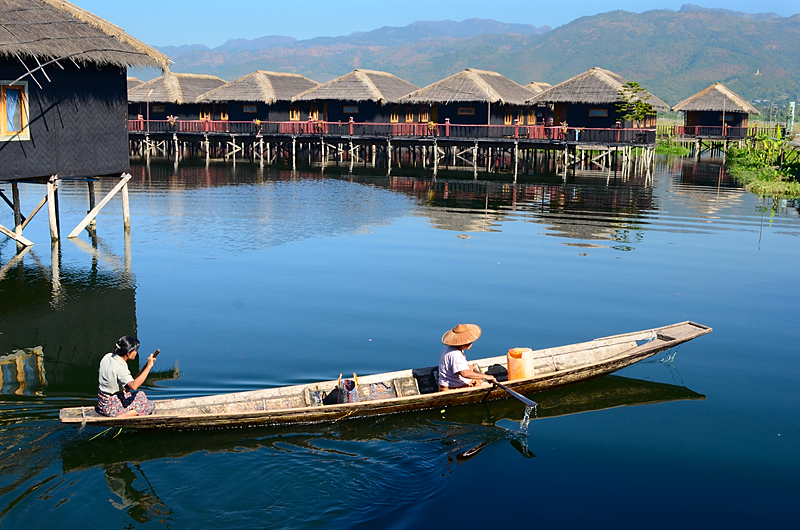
x=733, y=133
x=398, y=130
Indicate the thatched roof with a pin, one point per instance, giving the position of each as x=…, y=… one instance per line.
x=538, y=86
x=268, y=87
x=471, y=85
x=132, y=82
x=174, y=88
x=717, y=97
x=360, y=85
x=594, y=87
x=53, y=29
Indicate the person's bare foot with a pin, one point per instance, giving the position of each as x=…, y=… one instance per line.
x=129, y=414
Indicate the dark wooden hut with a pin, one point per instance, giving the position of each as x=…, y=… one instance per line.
x=173, y=94
x=705, y=112
x=590, y=100
x=63, y=90
x=367, y=96
x=262, y=95
x=473, y=97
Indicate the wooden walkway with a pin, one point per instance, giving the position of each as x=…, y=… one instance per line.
x=469, y=146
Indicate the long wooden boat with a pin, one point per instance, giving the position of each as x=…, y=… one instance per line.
x=401, y=391
x=602, y=393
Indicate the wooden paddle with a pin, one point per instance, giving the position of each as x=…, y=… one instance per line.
x=520, y=397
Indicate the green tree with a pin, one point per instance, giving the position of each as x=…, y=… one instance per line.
x=633, y=105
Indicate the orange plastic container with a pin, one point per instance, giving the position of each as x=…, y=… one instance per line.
x=520, y=363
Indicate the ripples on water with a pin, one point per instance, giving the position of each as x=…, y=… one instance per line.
x=254, y=278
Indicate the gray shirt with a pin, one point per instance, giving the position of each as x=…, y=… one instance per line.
x=114, y=374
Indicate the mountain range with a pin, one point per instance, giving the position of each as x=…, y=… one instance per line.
x=672, y=53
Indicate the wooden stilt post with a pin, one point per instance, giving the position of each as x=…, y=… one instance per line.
x=435, y=158
x=516, y=158
x=52, y=212
x=126, y=209
x=91, y=215
x=475, y=160
x=90, y=185
x=18, y=219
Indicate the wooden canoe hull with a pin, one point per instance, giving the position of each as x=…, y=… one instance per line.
x=410, y=390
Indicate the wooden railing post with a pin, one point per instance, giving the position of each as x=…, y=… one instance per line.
x=447, y=127
x=516, y=128
x=351, y=126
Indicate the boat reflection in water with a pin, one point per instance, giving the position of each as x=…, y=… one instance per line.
x=437, y=439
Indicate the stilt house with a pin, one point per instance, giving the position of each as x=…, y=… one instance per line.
x=63, y=90
x=540, y=111
x=174, y=94
x=262, y=95
x=367, y=96
x=472, y=97
x=590, y=100
x=705, y=112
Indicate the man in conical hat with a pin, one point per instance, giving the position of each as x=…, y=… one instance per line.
x=454, y=370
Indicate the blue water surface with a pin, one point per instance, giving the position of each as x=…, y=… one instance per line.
x=249, y=277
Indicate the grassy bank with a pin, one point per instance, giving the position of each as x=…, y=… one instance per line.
x=762, y=168
x=666, y=147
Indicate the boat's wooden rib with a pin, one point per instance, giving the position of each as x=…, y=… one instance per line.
x=400, y=391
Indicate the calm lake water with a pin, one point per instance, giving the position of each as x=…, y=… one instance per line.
x=249, y=278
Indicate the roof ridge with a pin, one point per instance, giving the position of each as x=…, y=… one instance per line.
x=264, y=83
x=606, y=75
x=196, y=76
x=472, y=72
x=364, y=77
x=173, y=87
x=278, y=74
x=732, y=95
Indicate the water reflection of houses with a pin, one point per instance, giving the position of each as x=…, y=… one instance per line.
x=586, y=211
x=22, y=372
x=706, y=188
x=71, y=326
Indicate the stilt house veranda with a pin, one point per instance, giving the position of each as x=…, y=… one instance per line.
x=472, y=97
x=262, y=95
x=175, y=94
x=367, y=96
x=63, y=90
x=590, y=100
x=705, y=112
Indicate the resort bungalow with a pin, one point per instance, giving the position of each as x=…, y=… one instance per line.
x=705, y=112
x=176, y=95
x=540, y=111
x=63, y=94
x=589, y=100
x=261, y=95
x=363, y=95
x=471, y=97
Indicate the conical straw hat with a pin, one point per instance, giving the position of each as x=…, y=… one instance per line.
x=461, y=334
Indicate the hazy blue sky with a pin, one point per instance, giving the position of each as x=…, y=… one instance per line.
x=163, y=22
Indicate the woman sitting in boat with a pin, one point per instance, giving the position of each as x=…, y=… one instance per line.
x=454, y=370
x=119, y=396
